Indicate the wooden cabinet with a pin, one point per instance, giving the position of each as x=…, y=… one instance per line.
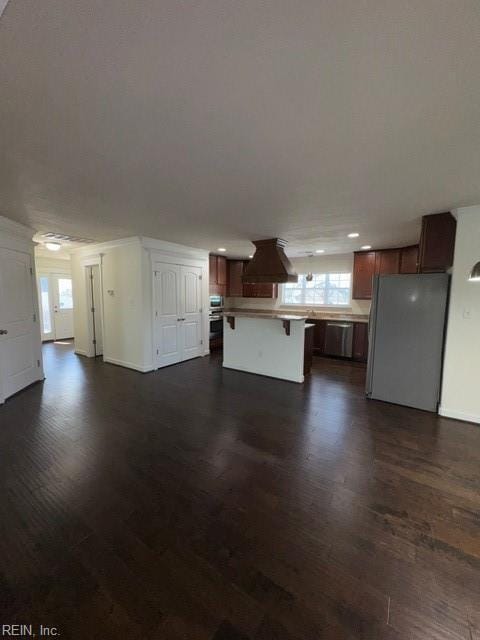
x=221, y=270
x=234, y=274
x=212, y=269
x=363, y=271
x=260, y=290
x=318, y=336
x=308, y=349
x=409, y=259
x=217, y=267
x=360, y=341
x=387, y=261
x=437, y=242
x=366, y=264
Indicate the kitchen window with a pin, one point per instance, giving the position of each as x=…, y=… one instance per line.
x=325, y=289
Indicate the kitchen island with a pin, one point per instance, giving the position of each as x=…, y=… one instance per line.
x=268, y=344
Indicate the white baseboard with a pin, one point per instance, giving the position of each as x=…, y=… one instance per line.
x=128, y=365
x=458, y=415
x=81, y=352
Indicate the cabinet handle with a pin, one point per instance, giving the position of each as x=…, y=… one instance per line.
x=3, y=332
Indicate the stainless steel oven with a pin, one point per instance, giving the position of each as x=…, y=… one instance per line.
x=216, y=325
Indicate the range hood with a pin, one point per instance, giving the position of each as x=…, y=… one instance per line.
x=269, y=263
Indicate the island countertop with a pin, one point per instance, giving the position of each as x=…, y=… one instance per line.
x=299, y=315
x=264, y=316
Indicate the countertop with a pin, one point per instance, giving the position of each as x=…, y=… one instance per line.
x=300, y=315
x=264, y=316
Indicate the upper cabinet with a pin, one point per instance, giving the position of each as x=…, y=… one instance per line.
x=363, y=272
x=437, y=242
x=366, y=264
x=236, y=288
x=234, y=273
x=217, y=274
x=409, y=259
x=387, y=261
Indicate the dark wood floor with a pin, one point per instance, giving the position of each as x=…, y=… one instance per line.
x=201, y=503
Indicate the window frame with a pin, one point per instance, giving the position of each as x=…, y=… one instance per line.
x=347, y=305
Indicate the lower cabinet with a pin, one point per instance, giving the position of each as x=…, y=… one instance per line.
x=360, y=341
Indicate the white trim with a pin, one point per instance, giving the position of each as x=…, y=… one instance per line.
x=81, y=352
x=97, y=248
x=128, y=365
x=173, y=249
x=458, y=415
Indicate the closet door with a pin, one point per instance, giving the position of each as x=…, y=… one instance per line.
x=19, y=358
x=190, y=311
x=168, y=334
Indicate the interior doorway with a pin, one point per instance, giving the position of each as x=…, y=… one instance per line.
x=94, y=302
x=56, y=306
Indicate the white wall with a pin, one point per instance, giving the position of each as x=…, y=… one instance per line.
x=123, y=302
x=52, y=265
x=262, y=346
x=339, y=263
x=460, y=390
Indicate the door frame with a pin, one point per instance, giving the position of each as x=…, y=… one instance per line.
x=16, y=237
x=93, y=261
x=181, y=260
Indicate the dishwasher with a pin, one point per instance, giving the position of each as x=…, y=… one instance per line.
x=339, y=339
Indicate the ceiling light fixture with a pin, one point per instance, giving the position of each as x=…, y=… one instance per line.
x=353, y=235
x=250, y=257
x=222, y=249
x=475, y=273
x=53, y=246
x=319, y=250
x=366, y=246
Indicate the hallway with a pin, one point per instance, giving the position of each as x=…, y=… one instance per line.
x=197, y=502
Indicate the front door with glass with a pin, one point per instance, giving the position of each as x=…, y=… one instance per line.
x=56, y=306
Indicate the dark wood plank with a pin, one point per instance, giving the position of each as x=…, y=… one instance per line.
x=196, y=502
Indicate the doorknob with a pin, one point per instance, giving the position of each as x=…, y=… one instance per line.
x=3, y=332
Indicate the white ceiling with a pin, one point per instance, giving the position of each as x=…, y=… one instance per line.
x=212, y=122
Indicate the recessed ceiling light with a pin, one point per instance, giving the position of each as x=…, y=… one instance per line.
x=353, y=235
x=319, y=250
x=222, y=249
x=250, y=256
x=53, y=246
x=366, y=246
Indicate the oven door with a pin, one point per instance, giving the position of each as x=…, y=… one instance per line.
x=216, y=326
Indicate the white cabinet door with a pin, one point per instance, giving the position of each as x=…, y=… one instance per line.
x=168, y=337
x=190, y=310
x=19, y=363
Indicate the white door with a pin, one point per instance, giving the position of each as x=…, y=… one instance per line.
x=19, y=356
x=178, y=314
x=62, y=307
x=190, y=310
x=56, y=306
x=167, y=314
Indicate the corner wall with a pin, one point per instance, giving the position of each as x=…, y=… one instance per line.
x=123, y=302
x=460, y=392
